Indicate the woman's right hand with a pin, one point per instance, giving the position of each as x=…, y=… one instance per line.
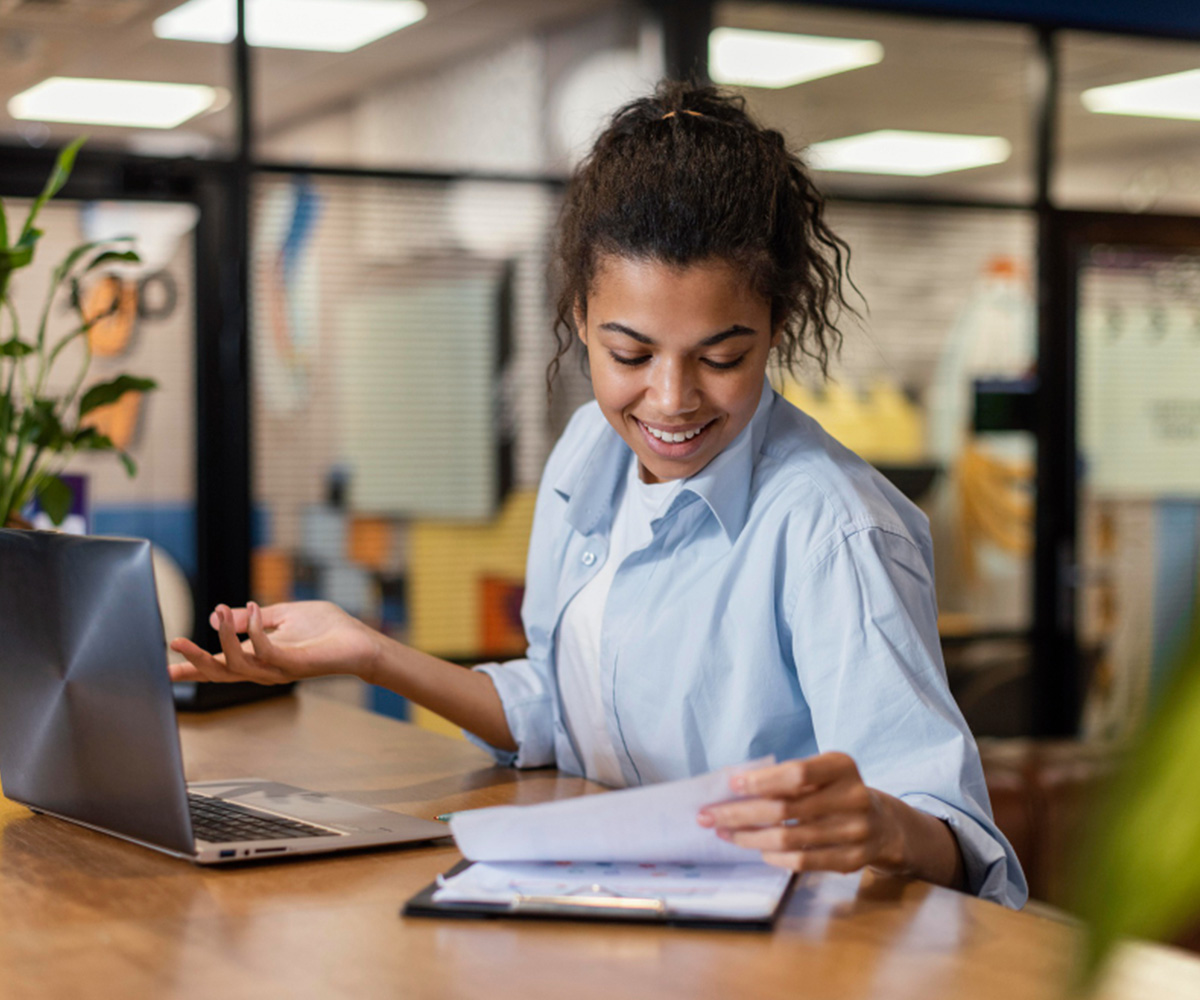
x=287, y=642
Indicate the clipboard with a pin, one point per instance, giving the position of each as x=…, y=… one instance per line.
x=591, y=907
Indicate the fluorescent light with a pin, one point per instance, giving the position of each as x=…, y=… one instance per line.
x=316, y=25
x=112, y=102
x=776, y=59
x=911, y=154
x=1176, y=95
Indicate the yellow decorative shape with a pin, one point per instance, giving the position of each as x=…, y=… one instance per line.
x=447, y=560
x=115, y=302
x=882, y=426
x=996, y=502
x=897, y=426
x=117, y=421
x=434, y=722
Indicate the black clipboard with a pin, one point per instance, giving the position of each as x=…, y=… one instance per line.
x=585, y=908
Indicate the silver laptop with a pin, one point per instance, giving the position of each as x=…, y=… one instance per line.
x=87, y=722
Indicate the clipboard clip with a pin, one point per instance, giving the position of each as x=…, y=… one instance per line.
x=595, y=897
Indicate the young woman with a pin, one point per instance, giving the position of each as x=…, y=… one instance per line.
x=711, y=577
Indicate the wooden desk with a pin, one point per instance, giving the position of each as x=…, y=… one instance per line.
x=85, y=915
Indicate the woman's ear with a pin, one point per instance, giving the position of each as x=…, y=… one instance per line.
x=580, y=315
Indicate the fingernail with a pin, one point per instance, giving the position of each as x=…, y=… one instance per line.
x=725, y=835
x=214, y=620
x=738, y=782
x=705, y=818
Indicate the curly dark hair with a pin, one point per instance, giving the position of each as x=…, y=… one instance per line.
x=686, y=175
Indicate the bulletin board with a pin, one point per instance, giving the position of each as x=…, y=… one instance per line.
x=417, y=359
x=1139, y=373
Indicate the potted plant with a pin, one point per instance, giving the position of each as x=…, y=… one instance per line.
x=39, y=429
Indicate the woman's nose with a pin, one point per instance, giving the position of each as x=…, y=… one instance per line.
x=674, y=389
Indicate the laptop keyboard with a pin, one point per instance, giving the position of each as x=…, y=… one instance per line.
x=221, y=822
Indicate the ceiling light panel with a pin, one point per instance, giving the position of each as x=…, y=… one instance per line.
x=908, y=154
x=777, y=59
x=129, y=103
x=313, y=25
x=1176, y=95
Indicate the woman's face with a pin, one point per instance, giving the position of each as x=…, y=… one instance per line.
x=677, y=356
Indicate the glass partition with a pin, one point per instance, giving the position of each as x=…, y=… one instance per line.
x=401, y=331
x=97, y=67
x=1129, y=124
x=947, y=301
x=502, y=87
x=1138, y=333
x=887, y=103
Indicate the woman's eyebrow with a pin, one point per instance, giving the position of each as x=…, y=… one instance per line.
x=737, y=330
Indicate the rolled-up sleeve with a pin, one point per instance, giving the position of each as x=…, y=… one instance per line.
x=866, y=648
x=526, y=696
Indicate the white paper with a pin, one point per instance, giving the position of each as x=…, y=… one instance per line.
x=651, y=824
x=740, y=891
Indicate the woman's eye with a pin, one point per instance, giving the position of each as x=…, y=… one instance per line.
x=631, y=361
x=724, y=365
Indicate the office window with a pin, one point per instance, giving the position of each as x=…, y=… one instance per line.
x=97, y=67
x=948, y=300
x=484, y=88
x=401, y=333
x=1129, y=124
x=955, y=91
x=1139, y=500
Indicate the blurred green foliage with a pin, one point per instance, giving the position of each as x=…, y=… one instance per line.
x=1138, y=872
x=39, y=432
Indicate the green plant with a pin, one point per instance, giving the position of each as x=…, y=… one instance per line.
x=39, y=431
x=1138, y=874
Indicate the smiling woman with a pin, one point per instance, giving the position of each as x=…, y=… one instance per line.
x=679, y=358
x=711, y=577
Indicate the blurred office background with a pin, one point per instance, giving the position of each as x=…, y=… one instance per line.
x=345, y=298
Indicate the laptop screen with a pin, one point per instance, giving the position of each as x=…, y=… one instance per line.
x=87, y=724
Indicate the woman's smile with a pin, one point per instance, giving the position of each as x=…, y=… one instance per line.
x=676, y=441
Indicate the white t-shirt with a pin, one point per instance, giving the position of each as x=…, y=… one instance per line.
x=577, y=650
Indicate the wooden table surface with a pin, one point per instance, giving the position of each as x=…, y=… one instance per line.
x=86, y=915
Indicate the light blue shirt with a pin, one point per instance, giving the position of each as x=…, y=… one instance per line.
x=784, y=606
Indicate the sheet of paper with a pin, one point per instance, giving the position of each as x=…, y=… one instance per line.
x=745, y=890
x=654, y=823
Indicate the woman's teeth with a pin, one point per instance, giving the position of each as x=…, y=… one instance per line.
x=671, y=438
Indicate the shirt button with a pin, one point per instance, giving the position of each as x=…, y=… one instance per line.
x=589, y=558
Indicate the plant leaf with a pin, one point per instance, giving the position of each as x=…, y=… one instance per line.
x=109, y=392
x=15, y=349
x=19, y=255
x=55, y=496
x=73, y=257
x=110, y=256
x=90, y=439
x=54, y=183
x=3, y=228
x=14, y=258
x=128, y=462
x=6, y=415
x=41, y=426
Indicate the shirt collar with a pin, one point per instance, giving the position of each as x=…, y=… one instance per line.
x=590, y=483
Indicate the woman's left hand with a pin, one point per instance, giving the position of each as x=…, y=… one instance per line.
x=814, y=814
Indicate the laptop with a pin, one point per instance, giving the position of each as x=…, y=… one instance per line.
x=87, y=724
